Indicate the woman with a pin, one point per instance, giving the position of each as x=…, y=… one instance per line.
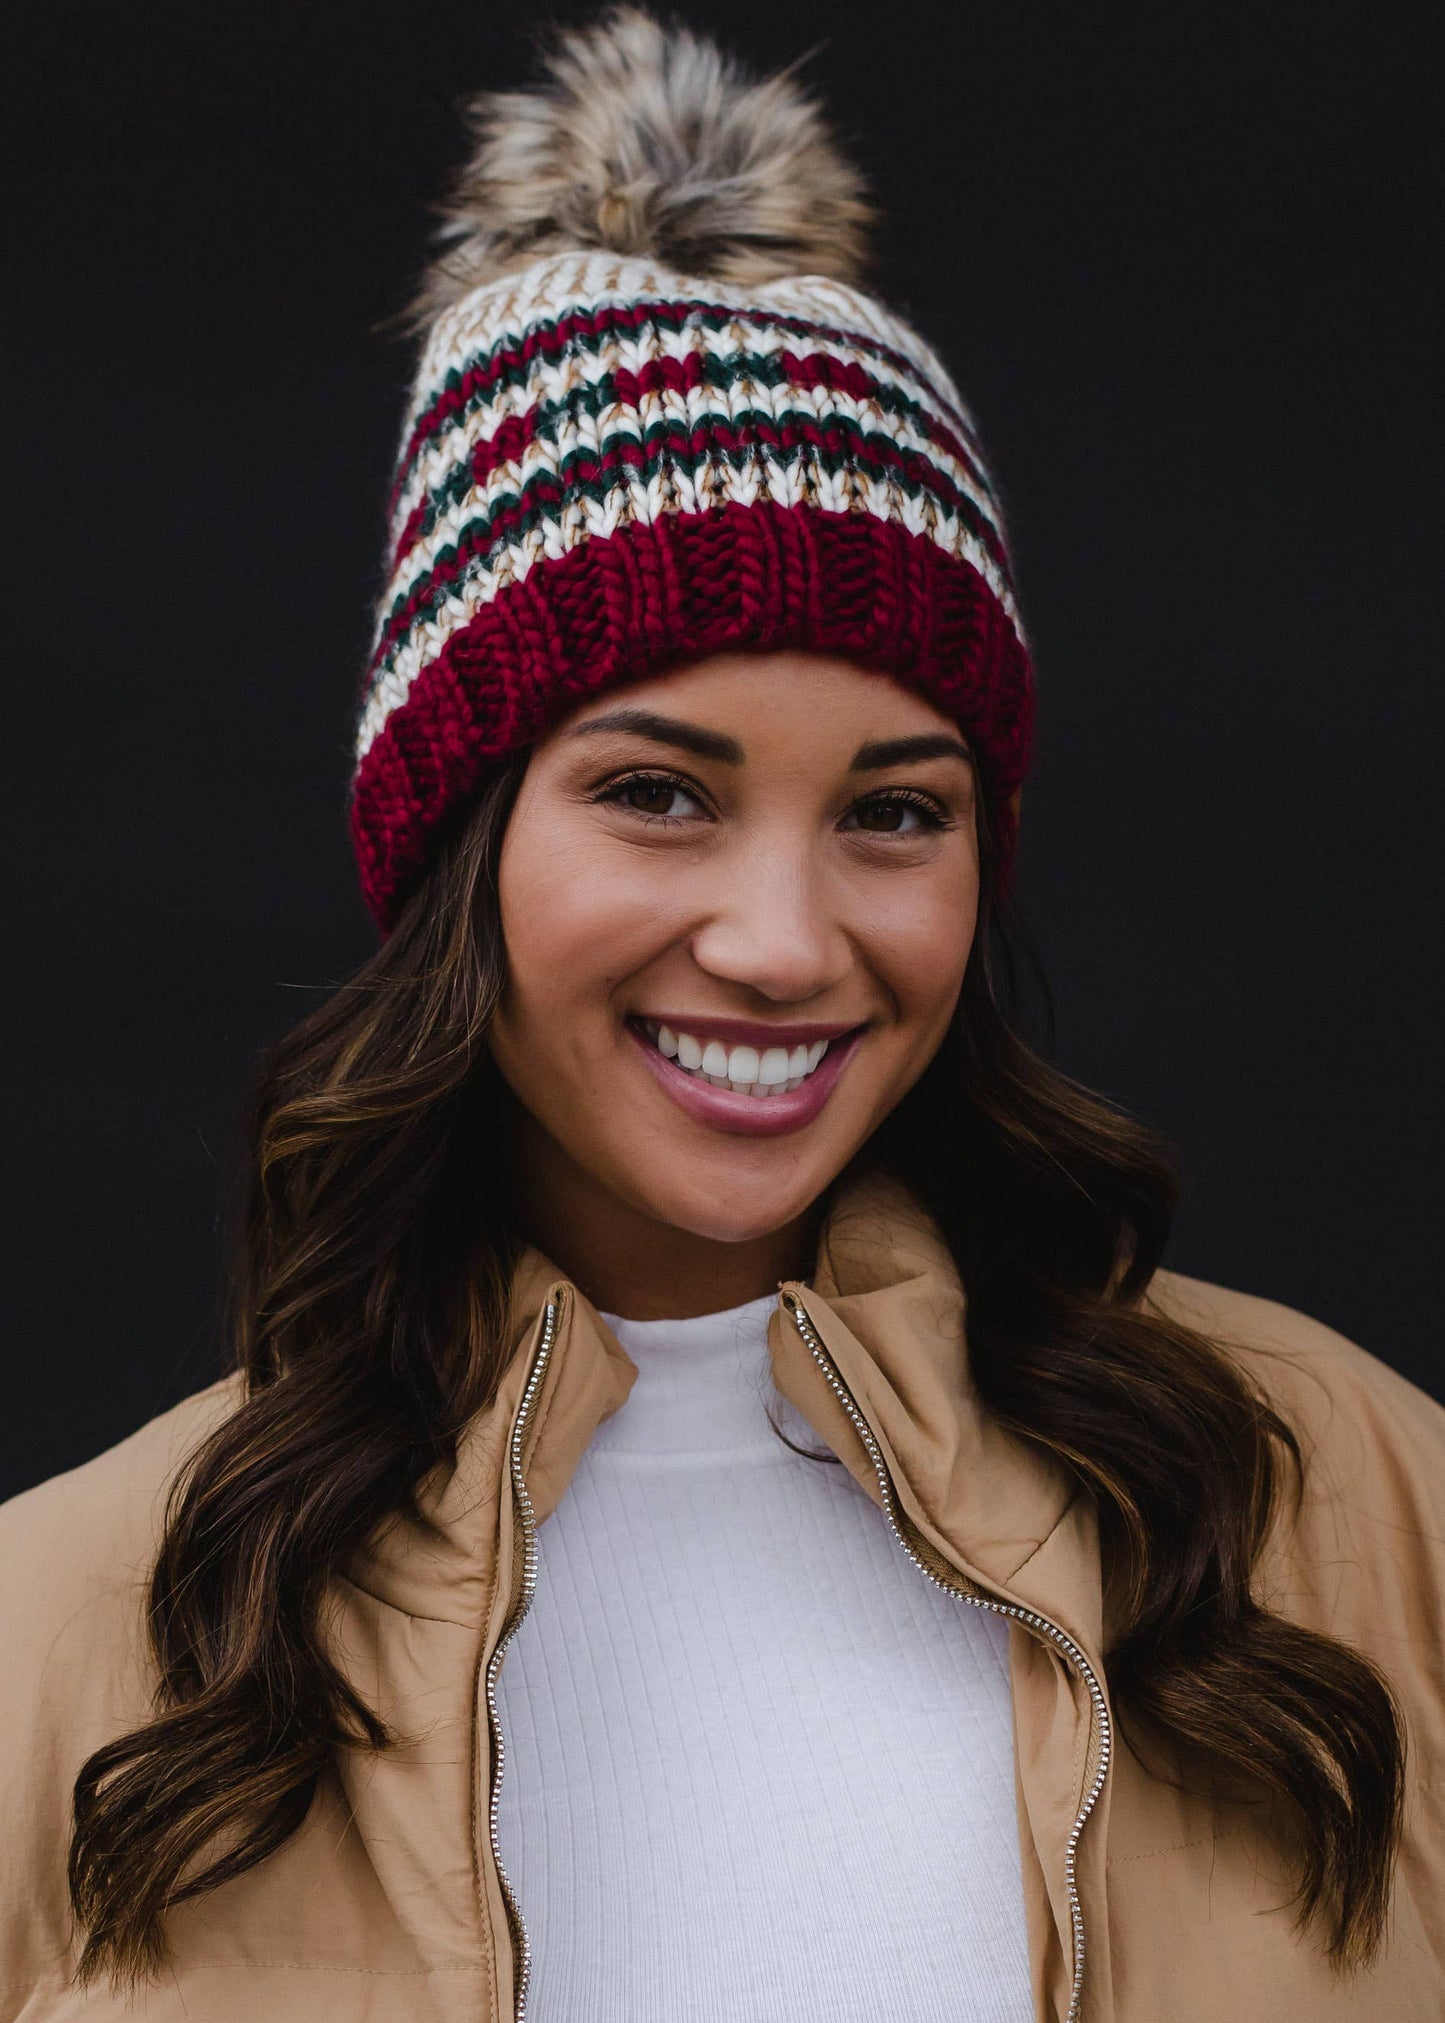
x=674, y=1148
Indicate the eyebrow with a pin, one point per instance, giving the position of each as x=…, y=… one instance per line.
x=872, y=758
x=667, y=730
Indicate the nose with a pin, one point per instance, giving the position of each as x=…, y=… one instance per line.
x=773, y=928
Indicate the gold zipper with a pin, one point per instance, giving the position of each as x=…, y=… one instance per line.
x=925, y=1558
x=917, y=1550
x=527, y=1587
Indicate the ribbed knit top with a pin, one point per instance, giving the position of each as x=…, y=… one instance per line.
x=756, y=1765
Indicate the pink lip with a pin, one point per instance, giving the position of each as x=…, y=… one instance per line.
x=754, y=1116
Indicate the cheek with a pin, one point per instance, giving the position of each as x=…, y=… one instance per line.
x=919, y=944
x=577, y=916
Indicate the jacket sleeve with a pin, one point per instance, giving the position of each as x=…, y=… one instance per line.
x=75, y=1561
x=1363, y=1558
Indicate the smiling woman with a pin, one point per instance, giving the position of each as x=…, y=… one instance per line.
x=497, y=1642
x=762, y=940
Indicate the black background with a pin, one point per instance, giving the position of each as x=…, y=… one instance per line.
x=1186, y=264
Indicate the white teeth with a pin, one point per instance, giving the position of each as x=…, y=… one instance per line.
x=775, y=1071
x=743, y=1066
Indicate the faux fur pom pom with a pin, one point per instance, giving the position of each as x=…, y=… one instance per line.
x=646, y=140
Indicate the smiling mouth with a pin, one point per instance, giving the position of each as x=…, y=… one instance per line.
x=761, y=1072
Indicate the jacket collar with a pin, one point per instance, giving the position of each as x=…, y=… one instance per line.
x=891, y=1311
x=887, y=1301
x=419, y=1622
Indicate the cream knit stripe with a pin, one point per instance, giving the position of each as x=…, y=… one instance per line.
x=499, y=316
x=835, y=304
x=588, y=361
x=663, y=450
x=806, y=474
x=582, y=518
x=579, y=431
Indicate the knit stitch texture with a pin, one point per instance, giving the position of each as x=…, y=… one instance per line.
x=608, y=469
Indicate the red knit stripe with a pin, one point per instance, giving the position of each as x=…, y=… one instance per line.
x=617, y=609
x=838, y=437
x=515, y=433
x=507, y=444
x=845, y=375
x=410, y=534
x=549, y=337
x=805, y=371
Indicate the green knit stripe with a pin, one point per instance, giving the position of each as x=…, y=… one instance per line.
x=513, y=359
x=665, y=448
x=721, y=372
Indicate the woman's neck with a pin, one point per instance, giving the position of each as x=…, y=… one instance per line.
x=627, y=1262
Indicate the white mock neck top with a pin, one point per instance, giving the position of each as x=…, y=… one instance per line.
x=756, y=1765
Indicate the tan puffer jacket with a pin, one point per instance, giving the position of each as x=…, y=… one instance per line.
x=1145, y=1902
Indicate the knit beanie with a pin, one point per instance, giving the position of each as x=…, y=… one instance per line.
x=656, y=417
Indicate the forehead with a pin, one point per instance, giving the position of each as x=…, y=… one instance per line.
x=832, y=700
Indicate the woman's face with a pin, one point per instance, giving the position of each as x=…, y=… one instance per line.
x=737, y=904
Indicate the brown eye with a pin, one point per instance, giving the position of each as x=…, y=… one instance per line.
x=894, y=815
x=882, y=817
x=650, y=797
x=654, y=796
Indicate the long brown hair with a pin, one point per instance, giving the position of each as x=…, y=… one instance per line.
x=370, y=1257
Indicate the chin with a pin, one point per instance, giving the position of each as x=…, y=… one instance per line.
x=739, y=1214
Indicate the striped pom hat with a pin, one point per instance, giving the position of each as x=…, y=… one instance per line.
x=655, y=419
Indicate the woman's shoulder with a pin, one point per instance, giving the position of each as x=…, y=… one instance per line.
x=1337, y=1394
x=75, y=1561
x=79, y=1546
x=1367, y=1539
